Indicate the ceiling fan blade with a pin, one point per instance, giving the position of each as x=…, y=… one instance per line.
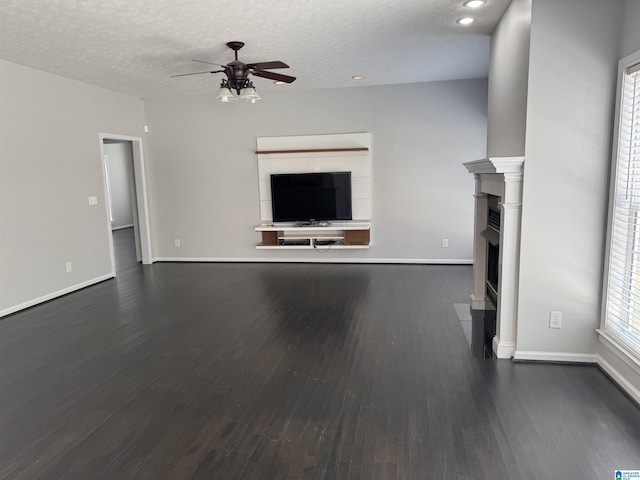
x=195, y=73
x=210, y=63
x=267, y=65
x=273, y=76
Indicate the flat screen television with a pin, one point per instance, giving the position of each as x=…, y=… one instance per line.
x=309, y=197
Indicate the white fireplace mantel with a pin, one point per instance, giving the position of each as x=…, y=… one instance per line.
x=502, y=177
x=499, y=165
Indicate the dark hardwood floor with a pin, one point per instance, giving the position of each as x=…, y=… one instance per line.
x=124, y=246
x=290, y=371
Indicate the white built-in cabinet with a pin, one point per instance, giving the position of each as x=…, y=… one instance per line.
x=349, y=152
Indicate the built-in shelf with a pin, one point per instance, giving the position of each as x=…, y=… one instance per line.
x=336, y=235
x=315, y=150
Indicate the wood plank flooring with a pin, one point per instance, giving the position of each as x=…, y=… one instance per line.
x=290, y=371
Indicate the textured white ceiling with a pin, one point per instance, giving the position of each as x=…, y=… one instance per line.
x=134, y=46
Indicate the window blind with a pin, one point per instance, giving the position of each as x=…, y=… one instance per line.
x=623, y=296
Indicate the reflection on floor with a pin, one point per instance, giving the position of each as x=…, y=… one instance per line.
x=463, y=311
x=124, y=246
x=290, y=371
x=479, y=327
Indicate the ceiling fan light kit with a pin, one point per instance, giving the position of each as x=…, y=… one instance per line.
x=224, y=94
x=249, y=93
x=237, y=74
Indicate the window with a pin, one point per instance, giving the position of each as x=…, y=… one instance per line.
x=622, y=301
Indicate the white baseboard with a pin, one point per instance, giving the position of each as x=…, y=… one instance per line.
x=503, y=349
x=562, y=357
x=611, y=343
x=619, y=363
x=478, y=303
x=620, y=379
x=51, y=296
x=422, y=261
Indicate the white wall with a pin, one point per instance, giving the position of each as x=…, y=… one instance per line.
x=509, y=67
x=121, y=182
x=50, y=164
x=572, y=69
x=204, y=177
x=630, y=29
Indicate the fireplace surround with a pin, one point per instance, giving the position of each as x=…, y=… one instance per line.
x=492, y=235
x=498, y=186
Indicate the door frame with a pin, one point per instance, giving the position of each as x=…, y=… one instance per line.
x=142, y=207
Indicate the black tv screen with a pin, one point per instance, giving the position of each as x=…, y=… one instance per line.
x=304, y=197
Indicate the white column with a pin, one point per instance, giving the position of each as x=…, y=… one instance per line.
x=500, y=176
x=479, y=250
x=504, y=342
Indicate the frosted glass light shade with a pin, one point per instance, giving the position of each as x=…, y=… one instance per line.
x=225, y=95
x=249, y=94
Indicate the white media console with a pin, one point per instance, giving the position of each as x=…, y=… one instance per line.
x=332, y=235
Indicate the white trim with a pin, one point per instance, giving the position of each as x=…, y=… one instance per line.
x=622, y=65
x=503, y=349
x=555, y=356
x=421, y=261
x=53, y=295
x=478, y=303
x=107, y=207
x=608, y=344
x=622, y=365
x=620, y=350
x=141, y=193
x=620, y=379
x=495, y=165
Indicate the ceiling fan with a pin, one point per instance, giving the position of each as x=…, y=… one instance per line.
x=238, y=72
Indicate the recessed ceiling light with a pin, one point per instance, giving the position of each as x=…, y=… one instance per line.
x=358, y=77
x=280, y=82
x=465, y=20
x=474, y=3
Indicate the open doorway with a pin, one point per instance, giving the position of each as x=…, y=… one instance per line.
x=121, y=199
x=126, y=201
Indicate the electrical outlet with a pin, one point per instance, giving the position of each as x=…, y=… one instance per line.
x=445, y=243
x=555, y=319
x=176, y=242
x=69, y=267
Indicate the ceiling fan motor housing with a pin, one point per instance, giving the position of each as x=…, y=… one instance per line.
x=235, y=45
x=237, y=74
